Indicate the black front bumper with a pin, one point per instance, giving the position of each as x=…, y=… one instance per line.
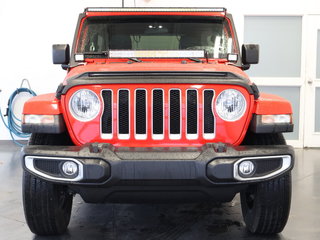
x=106, y=173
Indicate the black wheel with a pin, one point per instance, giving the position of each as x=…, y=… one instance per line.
x=47, y=206
x=266, y=205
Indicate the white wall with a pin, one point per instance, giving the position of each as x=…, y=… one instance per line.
x=29, y=28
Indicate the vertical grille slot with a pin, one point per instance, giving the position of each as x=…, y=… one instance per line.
x=106, y=120
x=175, y=114
x=141, y=114
x=123, y=114
x=192, y=114
x=157, y=114
x=208, y=121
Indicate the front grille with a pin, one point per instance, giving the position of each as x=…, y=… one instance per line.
x=157, y=113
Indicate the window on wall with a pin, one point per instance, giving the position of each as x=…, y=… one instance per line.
x=318, y=56
x=317, y=112
x=279, y=38
x=317, y=94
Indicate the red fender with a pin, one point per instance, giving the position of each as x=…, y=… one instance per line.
x=45, y=104
x=270, y=104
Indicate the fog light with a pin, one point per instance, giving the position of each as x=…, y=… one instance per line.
x=69, y=168
x=246, y=168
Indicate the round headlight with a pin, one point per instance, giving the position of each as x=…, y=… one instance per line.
x=231, y=105
x=84, y=105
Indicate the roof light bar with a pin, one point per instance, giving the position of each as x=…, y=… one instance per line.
x=156, y=54
x=98, y=9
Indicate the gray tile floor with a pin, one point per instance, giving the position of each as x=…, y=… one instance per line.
x=189, y=221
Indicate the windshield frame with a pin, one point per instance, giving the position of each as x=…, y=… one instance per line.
x=228, y=17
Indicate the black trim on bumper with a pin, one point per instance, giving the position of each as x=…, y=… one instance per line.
x=149, y=172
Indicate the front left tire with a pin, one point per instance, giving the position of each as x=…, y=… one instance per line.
x=266, y=205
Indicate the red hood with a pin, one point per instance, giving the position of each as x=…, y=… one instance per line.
x=155, y=66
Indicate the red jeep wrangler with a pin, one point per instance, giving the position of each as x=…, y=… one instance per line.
x=156, y=107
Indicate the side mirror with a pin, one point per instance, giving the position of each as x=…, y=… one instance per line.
x=250, y=54
x=60, y=53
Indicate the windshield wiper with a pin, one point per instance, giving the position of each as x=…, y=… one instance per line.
x=102, y=53
x=135, y=59
x=106, y=53
x=195, y=59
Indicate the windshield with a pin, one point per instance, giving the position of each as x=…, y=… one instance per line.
x=211, y=34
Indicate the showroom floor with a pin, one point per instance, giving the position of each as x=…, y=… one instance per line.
x=188, y=221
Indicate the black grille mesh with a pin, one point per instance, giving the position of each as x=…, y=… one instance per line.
x=50, y=167
x=175, y=111
x=157, y=111
x=208, y=114
x=123, y=112
x=192, y=115
x=106, y=121
x=141, y=112
x=267, y=166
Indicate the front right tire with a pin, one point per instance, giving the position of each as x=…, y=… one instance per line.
x=47, y=206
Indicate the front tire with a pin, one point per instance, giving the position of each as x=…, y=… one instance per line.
x=47, y=206
x=266, y=205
